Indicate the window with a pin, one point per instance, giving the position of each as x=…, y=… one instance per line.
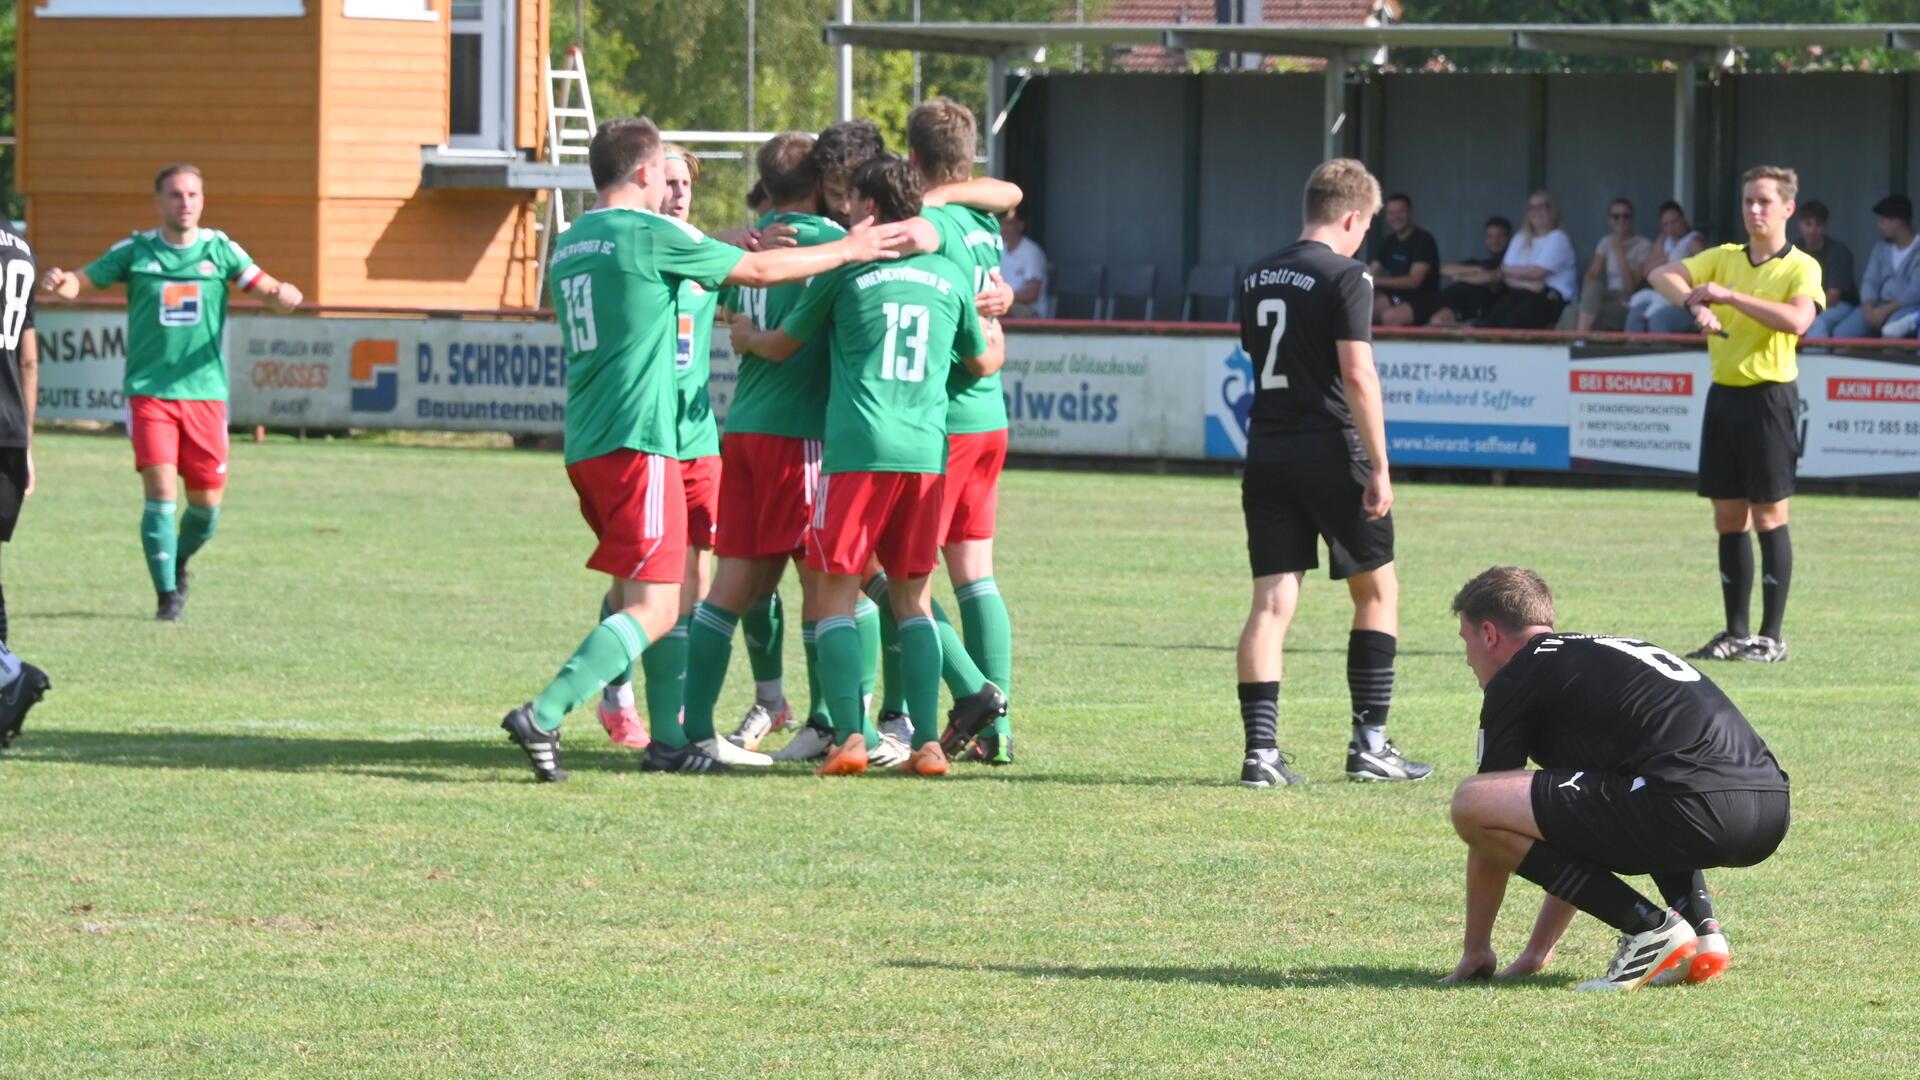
x=410, y=10
x=186, y=9
x=482, y=70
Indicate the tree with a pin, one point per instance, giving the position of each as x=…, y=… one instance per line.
x=10, y=201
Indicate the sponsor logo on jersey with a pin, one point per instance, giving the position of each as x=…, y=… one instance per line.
x=180, y=303
x=683, y=344
x=207, y=268
x=375, y=375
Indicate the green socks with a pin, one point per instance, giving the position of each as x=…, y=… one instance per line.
x=963, y=676
x=893, y=690
x=989, y=634
x=159, y=540
x=196, y=528
x=816, y=698
x=626, y=676
x=764, y=627
x=866, y=619
x=709, y=649
x=665, y=666
x=837, y=641
x=920, y=670
x=606, y=652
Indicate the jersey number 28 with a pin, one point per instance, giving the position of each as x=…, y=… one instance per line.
x=905, y=355
x=1275, y=312
x=19, y=289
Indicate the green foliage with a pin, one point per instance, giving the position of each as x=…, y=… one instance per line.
x=11, y=203
x=286, y=838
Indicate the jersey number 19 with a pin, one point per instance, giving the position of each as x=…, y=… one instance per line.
x=578, y=292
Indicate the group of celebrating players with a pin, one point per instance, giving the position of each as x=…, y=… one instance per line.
x=865, y=443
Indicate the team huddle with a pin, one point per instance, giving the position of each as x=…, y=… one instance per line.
x=865, y=443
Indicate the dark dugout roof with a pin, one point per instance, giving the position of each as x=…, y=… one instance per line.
x=1361, y=43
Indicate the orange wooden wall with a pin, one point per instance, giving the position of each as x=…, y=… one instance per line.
x=309, y=131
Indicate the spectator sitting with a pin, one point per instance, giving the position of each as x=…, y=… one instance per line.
x=1836, y=269
x=1647, y=310
x=1406, y=268
x=1614, y=274
x=1540, y=272
x=1024, y=268
x=1890, y=292
x=1475, y=281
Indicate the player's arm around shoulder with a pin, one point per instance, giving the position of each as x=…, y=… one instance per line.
x=984, y=193
x=865, y=242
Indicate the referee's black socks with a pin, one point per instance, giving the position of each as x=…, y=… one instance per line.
x=1260, y=714
x=1370, y=655
x=1686, y=893
x=1591, y=888
x=1776, y=573
x=1736, y=580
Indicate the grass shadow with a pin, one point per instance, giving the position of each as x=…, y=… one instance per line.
x=415, y=760
x=1384, y=977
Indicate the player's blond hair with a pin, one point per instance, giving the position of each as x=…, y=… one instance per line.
x=178, y=168
x=1337, y=188
x=675, y=150
x=1783, y=178
x=1511, y=597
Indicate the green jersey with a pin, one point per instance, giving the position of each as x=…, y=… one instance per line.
x=615, y=274
x=896, y=328
x=176, y=310
x=693, y=369
x=971, y=238
x=787, y=398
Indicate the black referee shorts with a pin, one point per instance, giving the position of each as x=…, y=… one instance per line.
x=1750, y=442
x=1606, y=820
x=1297, y=490
x=13, y=488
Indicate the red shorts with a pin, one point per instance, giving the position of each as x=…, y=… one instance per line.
x=701, y=478
x=189, y=435
x=973, y=486
x=766, y=504
x=858, y=515
x=637, y=506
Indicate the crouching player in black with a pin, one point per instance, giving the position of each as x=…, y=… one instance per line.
x=1646, y=768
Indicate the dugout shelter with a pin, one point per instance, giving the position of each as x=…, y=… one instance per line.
x=1203, y=168
x=378, y=153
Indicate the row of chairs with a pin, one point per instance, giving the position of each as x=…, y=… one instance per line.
x=1088, y=291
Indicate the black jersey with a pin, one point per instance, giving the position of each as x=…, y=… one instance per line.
x=1294, y=306
x=17, y=280
x=1619, y=707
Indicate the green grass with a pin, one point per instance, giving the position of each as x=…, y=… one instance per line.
x=286, y=837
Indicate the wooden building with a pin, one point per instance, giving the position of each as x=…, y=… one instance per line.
x=378, y=153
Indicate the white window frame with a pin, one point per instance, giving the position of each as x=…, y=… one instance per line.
x=399, y=10
x=498, y=79
x=170, y=9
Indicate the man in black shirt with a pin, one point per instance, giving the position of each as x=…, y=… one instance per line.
x=21, y=684
x=1646, y=768
x=1405, y=268
x=1317, y=467
x=1476, y=282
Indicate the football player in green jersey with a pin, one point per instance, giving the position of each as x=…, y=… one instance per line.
x=616, y=273
x=177, y=278
x=895, y=331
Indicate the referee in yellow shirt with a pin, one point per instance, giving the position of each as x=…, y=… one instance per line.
x=1754, y=300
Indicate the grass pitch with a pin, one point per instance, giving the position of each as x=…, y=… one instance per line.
x=286, y=837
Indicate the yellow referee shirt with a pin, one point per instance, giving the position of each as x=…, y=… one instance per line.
x=1752, y=352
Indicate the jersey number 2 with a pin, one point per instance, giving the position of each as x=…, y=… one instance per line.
x=905, y=355
x=19, y=289
x=1275, y=312
x=578, y=291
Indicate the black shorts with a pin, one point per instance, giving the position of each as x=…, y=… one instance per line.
x=1605, y=820
x=1299, y=489
x=1750, y=442
x=1423, y=302
x=13, y=487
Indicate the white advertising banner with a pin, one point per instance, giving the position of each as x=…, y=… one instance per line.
x=1638, y=409
x=1118, y=395
x=83, y=356
x=1862, y=417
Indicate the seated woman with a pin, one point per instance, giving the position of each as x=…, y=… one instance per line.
x=1540, y=271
